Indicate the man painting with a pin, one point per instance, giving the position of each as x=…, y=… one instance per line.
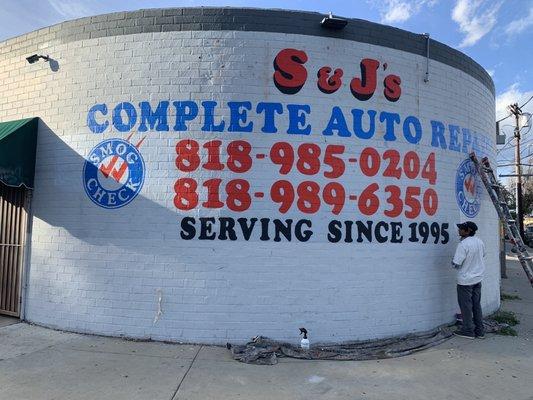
x=468, y=261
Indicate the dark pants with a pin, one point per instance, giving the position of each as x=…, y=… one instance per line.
x=469, y=298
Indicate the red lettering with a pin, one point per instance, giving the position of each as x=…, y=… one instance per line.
x=428, y=171
x=329, y=84
x=392, y=90
x=363, y=88
x=290, y=74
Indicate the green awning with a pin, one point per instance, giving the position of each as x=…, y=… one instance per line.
x=18, y=144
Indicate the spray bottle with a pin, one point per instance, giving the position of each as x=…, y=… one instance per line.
x=304, y=344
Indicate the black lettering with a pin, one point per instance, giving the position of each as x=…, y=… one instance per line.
x=264, y=229
x=379, y=236
x=286, y=230
x=363, y=229
x=188, y=231
x=206, y=225
x=227, y=226
x=335, y=233
x=349, y=225
x=247, y=230
x=303, y=236
x=396, y=233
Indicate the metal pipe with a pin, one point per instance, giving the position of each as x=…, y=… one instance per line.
x=24, y=281
x=426, y=79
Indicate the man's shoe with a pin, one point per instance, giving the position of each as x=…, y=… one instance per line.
x=463, y=334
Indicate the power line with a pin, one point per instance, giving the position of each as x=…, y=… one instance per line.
x=524, y=142
x=506, y=146
x=504, y=118
x=526, y=102
x=510, y=165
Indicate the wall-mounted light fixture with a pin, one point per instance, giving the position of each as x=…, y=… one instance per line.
x=35, y=57
x=332, y=22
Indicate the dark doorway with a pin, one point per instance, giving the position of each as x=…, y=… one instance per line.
x=13, y=222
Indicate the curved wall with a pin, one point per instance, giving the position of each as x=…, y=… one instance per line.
x=201, y=177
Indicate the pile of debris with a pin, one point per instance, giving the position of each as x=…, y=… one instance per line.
x=264, y=351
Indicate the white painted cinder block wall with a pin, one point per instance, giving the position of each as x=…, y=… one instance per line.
x=99, y=271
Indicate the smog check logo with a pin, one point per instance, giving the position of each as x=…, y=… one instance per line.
x=468, y=189
x=113, y=174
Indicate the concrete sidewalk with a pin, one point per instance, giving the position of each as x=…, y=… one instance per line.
x=38, y=363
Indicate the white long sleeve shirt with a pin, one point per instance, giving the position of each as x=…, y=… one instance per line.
x=468, y=260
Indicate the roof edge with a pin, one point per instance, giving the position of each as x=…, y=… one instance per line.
x=248, y=19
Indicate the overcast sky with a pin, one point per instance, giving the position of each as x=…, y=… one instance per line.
x=498, y=34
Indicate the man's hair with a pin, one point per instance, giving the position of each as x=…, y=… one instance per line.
x=468, y=226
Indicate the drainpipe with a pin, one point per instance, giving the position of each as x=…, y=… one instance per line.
x=426, y=78
x=26, y=256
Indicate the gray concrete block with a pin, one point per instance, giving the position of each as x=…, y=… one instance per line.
x=187, y=19
x=164, y=20
x=115, y=31
x=171, y=27
x=155, y=12
x=191, y=26
x=172, y=11
x=97, y=34
x=151, y=28
x=193, y=11
x=99, y=18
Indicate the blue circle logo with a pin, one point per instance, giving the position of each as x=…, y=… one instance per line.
x=113, y=174
x=468, y=188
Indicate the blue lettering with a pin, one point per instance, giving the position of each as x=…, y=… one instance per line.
x=209, y=122
x=185, y=111
x=358, y=123
x=390, y=119
x=454, y=132
x=131, y=114
x=337, y=122
x=238, y=116
x=475, y=144
x=437, y=135
x=93, y=125
x=297, y=114
x=467, y=139
x=270, y=110
x=159, y=117
x=407, y=133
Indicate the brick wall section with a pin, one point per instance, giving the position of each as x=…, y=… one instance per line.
x=99, y=271
x=243, y=19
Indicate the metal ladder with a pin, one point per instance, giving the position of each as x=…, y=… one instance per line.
x=494, y=189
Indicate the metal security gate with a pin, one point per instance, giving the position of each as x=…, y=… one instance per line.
x=13, y=219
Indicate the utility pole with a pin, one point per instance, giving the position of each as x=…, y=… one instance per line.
x=517, y=112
